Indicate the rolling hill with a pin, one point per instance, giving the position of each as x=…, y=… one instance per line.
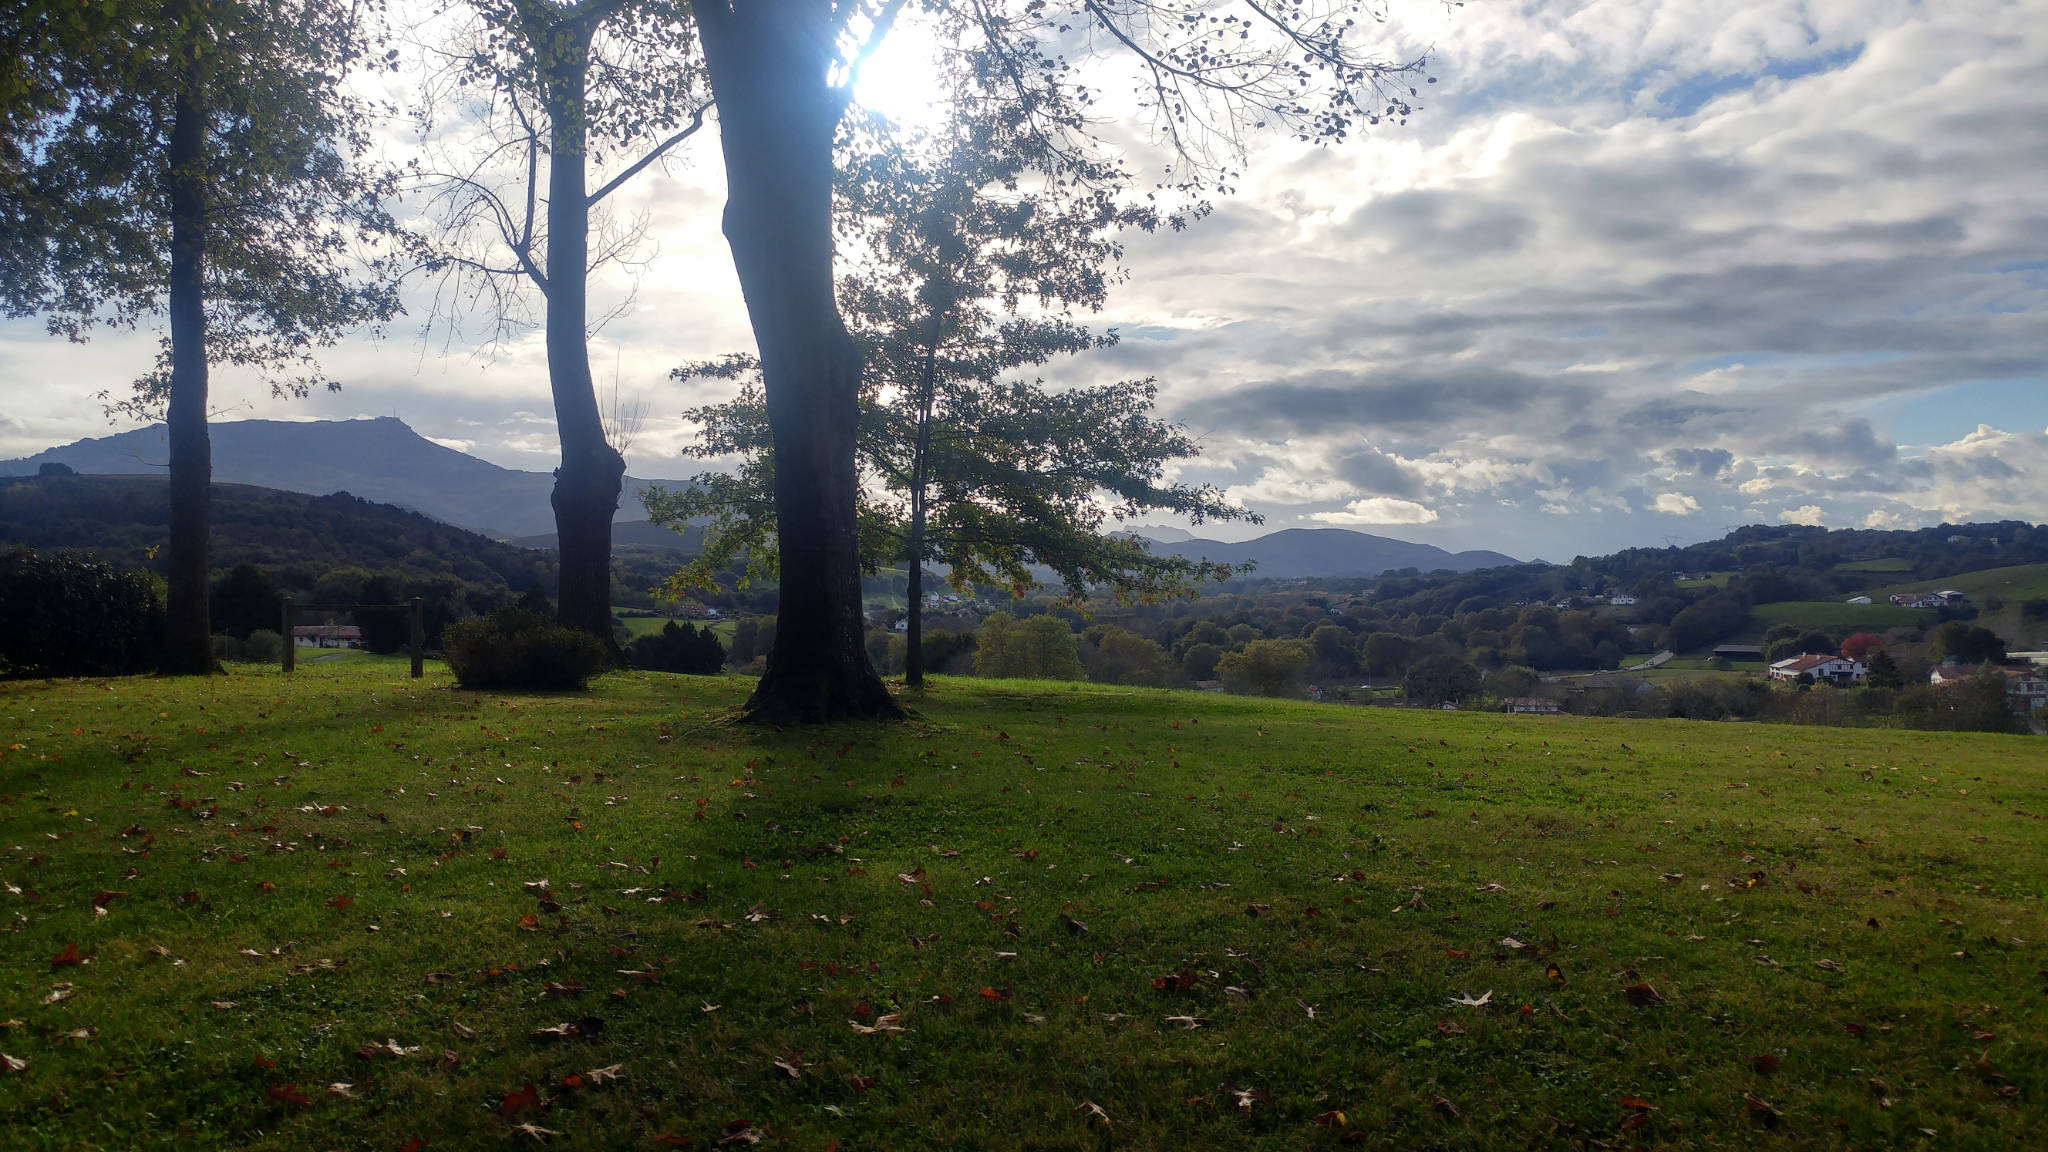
x=381, y=460
x=1295, y=553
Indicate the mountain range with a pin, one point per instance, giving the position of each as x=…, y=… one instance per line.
x=381, y=460
x=385, y=461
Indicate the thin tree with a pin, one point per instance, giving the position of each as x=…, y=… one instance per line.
x=200, y=169
x=562, y=87
x=968, y=267
x=782, y=73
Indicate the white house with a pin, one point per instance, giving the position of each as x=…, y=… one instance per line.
x=1621, y=598
x=1839, y=669
x=1859, y=600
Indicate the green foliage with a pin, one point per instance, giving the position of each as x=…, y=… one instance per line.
x=1709, y=621
x=1038, y=647
x=290, y=222
x=684, y=648
x=1884, y=671
x=263, y=646
x=70, y=614
x=514, y=648
x=1440, y=677
x=968, y=272
x=1120, y=656
x=1265, y=667
x=1967, y=644
x=245, y=600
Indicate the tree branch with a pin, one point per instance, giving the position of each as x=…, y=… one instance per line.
x=612, y=185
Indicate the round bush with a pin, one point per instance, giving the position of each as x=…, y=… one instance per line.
x=516, y=648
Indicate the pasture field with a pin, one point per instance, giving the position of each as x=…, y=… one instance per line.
x=347, y=910
x=1828, y=616
x=2016, y=583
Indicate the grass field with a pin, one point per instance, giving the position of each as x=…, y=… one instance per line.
x=2016, y=583
x=1827, y=616
x=349, y=910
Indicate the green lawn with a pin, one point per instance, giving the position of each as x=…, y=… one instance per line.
x=1221, y=922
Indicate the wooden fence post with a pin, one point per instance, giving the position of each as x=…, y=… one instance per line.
x=419, y=639
x=291, y=639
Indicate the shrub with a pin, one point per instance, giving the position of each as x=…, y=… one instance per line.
x=516, y=648
x=1265, y=667
x=263, y=646
x=69, y=614
x=677, y=647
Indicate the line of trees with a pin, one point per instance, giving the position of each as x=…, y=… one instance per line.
x=199, y=163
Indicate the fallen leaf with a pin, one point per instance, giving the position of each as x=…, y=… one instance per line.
x=893, y=1022
x=70, y=955
x=1467, y=1000
x=740, y=1132
x=1761, y=1111
x=1448, y=1110
x=1643, y=996
x=608, y=1072
x=1089, y=1110
x=516, y=1102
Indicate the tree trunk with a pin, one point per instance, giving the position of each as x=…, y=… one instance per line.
x=188, y=636
x=768, y=62
x=588, y=483
x=920, y=480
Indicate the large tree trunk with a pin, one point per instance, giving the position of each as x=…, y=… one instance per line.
x=587, y=484
x=768, y=62
x=188, y=638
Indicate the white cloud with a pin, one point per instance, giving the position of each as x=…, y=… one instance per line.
x=1808, y=514
x=1379, y=510
x=1676, y=504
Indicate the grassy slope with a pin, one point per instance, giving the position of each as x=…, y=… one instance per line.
x=1828, y=616
x=2018, y=582
x=1161, y=820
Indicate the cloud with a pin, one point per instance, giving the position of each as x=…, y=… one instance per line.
x=1379, y=510
x=1808, y=514
x=1676, y=504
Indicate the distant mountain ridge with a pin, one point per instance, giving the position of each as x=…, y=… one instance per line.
x=1296, y=553
x=381, y=459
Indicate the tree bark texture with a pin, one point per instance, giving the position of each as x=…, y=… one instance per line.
x=588, y=483
x=188, y=636
x=769, y=61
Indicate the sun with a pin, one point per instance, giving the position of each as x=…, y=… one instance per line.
x=901, y=80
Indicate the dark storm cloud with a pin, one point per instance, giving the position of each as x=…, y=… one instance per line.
x=1707, y=462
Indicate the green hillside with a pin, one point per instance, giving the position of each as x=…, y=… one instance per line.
x=1829, y=616
x=353, y=910
x=295, y=537
x=2019, y=582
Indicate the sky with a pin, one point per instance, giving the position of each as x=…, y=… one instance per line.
x=1636, y=272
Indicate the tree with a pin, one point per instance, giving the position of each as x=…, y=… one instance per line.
x=1037, y=647
x=196, y=167
x=968, y=275
x=246, y=600
x=1265, y=667
x=1884, y=671
x=1120, y=656
x=782, y=72
x=1859, y=645
x=1962, y=643
x=677, y=647
x=1440, y=676
x=561, y=85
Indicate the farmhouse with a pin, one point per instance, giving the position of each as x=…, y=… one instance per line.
x=1621, y=598
x=327, y=636
x=2025, y=689
x=1945, y=598
x=1839, y=669
x=1535, y=705
x=1738, y=651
